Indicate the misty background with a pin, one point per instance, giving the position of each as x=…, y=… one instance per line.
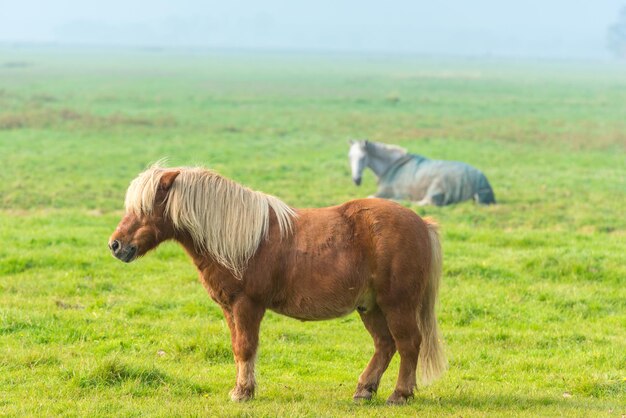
x=529, y=28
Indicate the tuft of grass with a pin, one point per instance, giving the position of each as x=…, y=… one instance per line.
x=112, y=372
x=601, y=387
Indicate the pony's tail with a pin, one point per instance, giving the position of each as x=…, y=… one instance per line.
x=432, y=359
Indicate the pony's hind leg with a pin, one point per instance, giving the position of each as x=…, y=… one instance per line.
x=405, y=331
x=376, y=324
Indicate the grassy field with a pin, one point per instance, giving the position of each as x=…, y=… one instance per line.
x=533, y=302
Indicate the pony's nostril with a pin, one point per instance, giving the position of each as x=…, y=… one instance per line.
x=115, y=245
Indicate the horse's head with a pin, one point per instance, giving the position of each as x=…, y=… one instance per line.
x=359, y=159
x=145, y=224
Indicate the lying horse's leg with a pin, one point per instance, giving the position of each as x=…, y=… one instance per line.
x=246, y=320
x=403, y=326
x=434, y=195
x=376, y=324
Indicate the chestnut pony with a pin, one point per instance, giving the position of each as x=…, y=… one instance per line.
x=253, y=253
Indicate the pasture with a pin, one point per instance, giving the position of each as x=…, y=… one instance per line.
x=533, y=299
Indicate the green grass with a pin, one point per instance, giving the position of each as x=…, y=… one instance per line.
x=533, y=302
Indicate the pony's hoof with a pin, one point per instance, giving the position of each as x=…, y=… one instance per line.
x=241, y=394
x=398, y=398
x=363, y=395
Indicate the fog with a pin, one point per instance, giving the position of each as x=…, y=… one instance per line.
x=529, y=28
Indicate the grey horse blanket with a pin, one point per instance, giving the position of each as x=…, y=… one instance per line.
x=435, y=182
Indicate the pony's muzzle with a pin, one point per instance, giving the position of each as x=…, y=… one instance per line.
x=357, y=180
x=126, y=253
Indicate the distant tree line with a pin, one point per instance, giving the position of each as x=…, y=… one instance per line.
x=617, y=35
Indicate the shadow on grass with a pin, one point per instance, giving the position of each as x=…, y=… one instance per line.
x=488, y=403
x=504, y=403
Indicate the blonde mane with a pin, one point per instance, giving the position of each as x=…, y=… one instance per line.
x=225, y=219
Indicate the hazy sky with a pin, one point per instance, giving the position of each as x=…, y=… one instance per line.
x=561, y=28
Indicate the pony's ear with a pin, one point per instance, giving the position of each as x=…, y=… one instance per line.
x=350, y=141
x=367, y=141
x=167, y=179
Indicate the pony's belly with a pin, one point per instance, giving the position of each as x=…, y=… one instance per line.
x=328, y=306
x=312, y=314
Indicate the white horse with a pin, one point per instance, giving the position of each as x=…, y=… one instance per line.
x=404, y=176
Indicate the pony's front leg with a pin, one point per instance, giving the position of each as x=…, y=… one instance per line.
x=228, y=315
x=246, y=321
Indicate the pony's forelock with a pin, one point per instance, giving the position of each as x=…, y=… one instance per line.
x=141, y=192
